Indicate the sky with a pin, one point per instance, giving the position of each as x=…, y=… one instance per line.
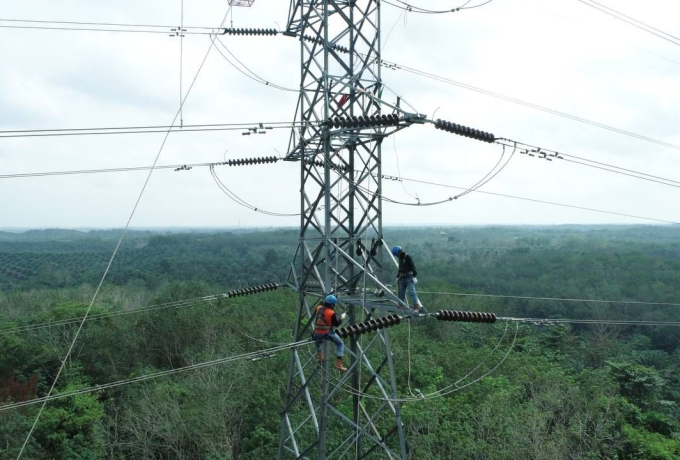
x=559, y=54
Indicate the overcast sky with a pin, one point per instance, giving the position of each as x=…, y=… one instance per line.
x=560, y=54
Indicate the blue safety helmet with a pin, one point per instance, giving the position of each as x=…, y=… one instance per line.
x=395, y=250
x=331, y=299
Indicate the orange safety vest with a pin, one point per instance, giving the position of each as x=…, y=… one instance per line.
x=324, y=319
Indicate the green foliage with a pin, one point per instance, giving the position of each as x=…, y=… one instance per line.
x=640, y=384
x=581, y=392
x=639, y=444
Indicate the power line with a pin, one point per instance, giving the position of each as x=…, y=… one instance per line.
x=646, y=25
x=259, y=354
x=610, y=40
x=396, y=66
x=68, y=321
x=253, y=355
x=622, y=173
x=550, y=155
x=147, y=129
x=614, y=322
x=556, y=299
x=115, y=251
x=178, y=167
x=181, y=60
x=384, y=176
x=451, y=198
x=241, y=202
x=288, y=125
x=477, y=6
x=417, y=9
x=250, y=290
x=486, y=179
x=634, y=22
x=171, y=30
x=99, y=171
x=116, y=24
x=449, y=389
x=160, y=127
x=254, y=76
x=101, y=29
x=618, y=167
x=534, y=200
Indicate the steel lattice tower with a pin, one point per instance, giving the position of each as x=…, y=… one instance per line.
x=327, y=414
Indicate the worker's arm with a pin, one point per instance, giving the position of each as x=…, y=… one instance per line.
x=336, y=320
x=413, y=266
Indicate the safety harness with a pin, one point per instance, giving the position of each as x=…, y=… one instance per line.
x=321, y=324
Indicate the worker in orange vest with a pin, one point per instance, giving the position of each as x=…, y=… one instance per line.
x=326, y=320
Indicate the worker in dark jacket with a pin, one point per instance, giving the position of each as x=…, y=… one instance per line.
x=406, y=277
x=326, y=321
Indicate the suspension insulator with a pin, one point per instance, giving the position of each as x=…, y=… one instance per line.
x=251, y=161
x=373, y=324
x=466, y=316
x=252, y=290
x=232, y=31
x=464, y=131
x=363, y=121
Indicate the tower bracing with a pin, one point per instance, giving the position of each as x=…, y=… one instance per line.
x=342, y=121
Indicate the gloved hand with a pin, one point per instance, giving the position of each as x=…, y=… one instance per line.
x=343, y=316
x=415, y=280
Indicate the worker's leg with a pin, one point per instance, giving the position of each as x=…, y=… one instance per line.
x=339, y=344
x=402, y=288
x=411, y=289
x=318, y=342
x=340, y=348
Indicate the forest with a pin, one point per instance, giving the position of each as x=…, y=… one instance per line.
x=523, y=389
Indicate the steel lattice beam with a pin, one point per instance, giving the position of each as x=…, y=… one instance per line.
x=327, y=414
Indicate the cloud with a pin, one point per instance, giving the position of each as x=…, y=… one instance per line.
x=571, y=58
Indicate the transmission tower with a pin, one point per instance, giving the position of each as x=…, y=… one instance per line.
x=343, y=121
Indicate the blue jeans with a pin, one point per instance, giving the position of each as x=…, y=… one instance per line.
x=406, y=285
x=333, y=337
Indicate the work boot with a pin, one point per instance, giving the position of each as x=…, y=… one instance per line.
x=339, y=366
x=416, y=308
x=319, y=356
